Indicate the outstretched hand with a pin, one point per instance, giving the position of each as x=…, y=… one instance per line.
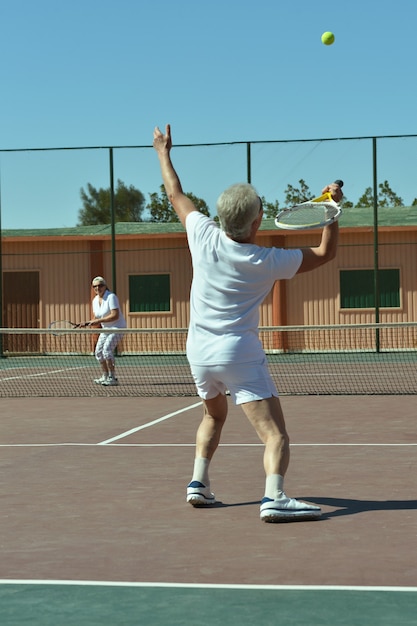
x=162, y=142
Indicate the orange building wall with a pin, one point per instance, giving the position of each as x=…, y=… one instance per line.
x=66, y=266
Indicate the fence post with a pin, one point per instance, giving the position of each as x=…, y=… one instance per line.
x=376, y=251
x=248, y=162
x=113, y=225
x=1, y=279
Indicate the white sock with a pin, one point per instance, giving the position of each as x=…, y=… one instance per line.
x=274, y=486
x=200, y=473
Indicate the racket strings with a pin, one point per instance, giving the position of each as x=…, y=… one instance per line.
x=62, y=324
x=308, y=214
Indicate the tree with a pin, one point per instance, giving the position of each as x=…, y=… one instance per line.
x=295, y=196
x=270, y=208
x=386, y=197
x=128, y=205
x=366, y=199
x=346, y=204
x=161, y=209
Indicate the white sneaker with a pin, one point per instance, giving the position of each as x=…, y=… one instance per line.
x=286, y=509
x=111, y=381
x=199, y=495
x=101, y=380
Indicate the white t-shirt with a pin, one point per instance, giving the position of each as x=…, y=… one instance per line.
x=230, y=282
x=109, y=302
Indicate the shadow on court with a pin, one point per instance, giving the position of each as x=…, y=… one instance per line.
x=225, y=505
x=345, y=506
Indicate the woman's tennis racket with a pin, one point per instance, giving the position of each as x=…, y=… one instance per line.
x=315, y=213
x=60, y=325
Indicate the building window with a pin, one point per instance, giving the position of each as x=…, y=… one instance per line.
x=357, y=289
x=149, y=293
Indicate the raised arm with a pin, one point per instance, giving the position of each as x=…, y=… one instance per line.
x=326, y=251
x=181, y=203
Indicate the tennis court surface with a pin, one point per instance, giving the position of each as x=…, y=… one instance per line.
x=95, y=528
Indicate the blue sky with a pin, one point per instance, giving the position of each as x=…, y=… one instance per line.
x=105, y=72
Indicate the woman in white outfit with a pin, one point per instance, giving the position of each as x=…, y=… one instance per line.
x=107, y=312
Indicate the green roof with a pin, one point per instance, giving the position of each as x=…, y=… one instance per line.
x=387, y=216
x=356, y=216
x=121, y=228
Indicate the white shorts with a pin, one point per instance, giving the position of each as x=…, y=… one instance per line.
x=106, y=345
x=245, y=381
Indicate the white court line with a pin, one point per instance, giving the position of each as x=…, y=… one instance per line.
x=375, y=445
x=261, y=445
x=192, y=445
x=157, y=421
x=39, y=374
x=101, y=583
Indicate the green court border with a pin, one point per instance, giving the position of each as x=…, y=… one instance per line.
x=92, y=603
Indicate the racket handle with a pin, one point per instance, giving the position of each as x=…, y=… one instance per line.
x=339, y=182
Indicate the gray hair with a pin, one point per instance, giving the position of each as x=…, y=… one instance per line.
x=98, y=280
x=237, y=208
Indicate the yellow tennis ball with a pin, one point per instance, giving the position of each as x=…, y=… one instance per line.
x=327, y=38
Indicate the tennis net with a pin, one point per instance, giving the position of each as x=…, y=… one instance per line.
x=367, y=359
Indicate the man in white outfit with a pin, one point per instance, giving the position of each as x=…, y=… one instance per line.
x=231, y=277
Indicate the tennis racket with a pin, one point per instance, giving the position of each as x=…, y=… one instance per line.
x=61, y=325
x=314, y=213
